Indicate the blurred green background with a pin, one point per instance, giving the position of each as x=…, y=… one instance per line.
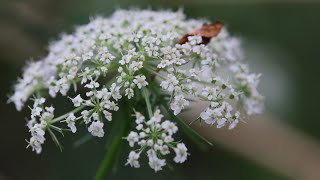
x=281, y=41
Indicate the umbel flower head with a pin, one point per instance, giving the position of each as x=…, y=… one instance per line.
x=135, y=56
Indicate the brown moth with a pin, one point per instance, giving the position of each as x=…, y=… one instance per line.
x=206, y=31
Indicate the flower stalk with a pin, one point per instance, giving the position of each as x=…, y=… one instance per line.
x=120, y=128
x=146, y=96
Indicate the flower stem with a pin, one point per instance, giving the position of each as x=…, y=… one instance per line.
x=146, y=96
x=154, y=72
x=193, y=135
x=67, y=114
x=119, y=127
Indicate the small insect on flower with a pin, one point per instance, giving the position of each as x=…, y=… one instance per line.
x=206, y=31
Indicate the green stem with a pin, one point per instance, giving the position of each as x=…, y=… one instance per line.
x=121, y=126
x=67, y=114
x=146, y=96
x=193, y=135
x=111, y=81
x=154, y=72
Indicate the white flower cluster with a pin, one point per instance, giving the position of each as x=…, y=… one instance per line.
x=122, y=56
x=154, y=136
x=100, y=103
x=40, y=118
x=35, y=77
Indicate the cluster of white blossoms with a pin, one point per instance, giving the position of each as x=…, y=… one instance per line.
x=126, y=55
x=38, y=123
x=154, y=136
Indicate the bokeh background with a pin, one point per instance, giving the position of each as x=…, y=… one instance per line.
x=281, y=39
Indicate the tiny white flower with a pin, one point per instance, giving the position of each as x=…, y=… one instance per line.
x=39, y=101
x=170, y=127
x=92, y=84
x=140, y=81
x=96, y=116
x=169, y=83
x=70, y=120
x=87, y=56
x=89, y=93
x=139, y=117
x=135, y=66
x=221, y=122
x=168, y=139
x=107, y=115
x=205, y=115
x=36, y=112
x=181, y=153
x=233, y=124
x=86, y=75
x=50, y=109
x=164, y=150
x=156, y=164
x=85, y=116
x=96, y=129
x=178, y=104
x=115, y=92
x=194, y=40
x=129, y=93
x=77, y=101
x=103, y=93
x=132, y=138
x=139, y=127
x=38, y=133
x=111, y=105
x=133, y=159
x=35, y=144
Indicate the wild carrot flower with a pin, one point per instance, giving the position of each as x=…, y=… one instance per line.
x=135, y=56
